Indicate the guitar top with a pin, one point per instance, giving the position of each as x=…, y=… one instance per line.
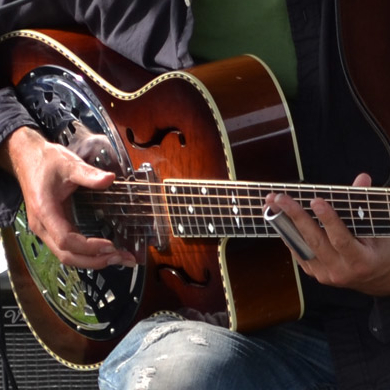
x=187, y=147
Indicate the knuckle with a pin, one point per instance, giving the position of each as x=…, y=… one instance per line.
x=349, y=278
x=341, y=244
x=362, y=271
x=314, y=242
x=323, y=279
x=34, y=225
x=61, y=242
x=339, y=280
x=65, y=258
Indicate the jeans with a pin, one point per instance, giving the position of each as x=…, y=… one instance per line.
x=168, y=354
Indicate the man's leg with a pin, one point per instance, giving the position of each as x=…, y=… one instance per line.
x=167, y=353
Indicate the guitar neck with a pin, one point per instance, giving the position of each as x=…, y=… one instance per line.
x=235, y=209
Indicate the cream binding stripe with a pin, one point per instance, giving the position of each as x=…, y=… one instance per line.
x=74, y=366
x=298, y=161
x=119, y=94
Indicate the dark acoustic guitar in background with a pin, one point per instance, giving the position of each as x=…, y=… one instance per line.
x=188, y=148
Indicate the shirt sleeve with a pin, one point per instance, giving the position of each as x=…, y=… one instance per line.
x=37, y=13
x=153, y=34
x=12, y=116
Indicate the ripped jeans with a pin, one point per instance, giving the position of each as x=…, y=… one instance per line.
x=169, y=354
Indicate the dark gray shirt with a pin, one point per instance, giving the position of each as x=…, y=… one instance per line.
x=153, y=34
x=335, y=141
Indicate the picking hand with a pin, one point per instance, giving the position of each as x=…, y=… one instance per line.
x=341, y=260
x=48, y=174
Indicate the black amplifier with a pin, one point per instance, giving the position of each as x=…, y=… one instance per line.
x=32, y=367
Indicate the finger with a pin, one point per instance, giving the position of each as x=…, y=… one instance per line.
x=270, y=202
x=98, y=262
x=362, y=180
x=54, y=223
x=309, y=229
x=301, y=219
x=338, y=234
x=86, y=175
x=105, y=258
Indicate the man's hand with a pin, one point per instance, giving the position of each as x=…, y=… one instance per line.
x=341, y=260
x=48, y=174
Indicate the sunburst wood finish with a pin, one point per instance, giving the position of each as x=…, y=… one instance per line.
x=235, y=126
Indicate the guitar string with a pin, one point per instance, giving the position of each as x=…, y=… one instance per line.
x=324, y=189
x=373, y=191
x=224, y=184
x=204, y=207
x=258, y=198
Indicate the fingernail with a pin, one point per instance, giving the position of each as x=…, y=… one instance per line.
x=125, y=261
x=318, y=208
x=114, y=260
x=128, y=256
x=107, y=249
x=129, y=263
x=279, y=199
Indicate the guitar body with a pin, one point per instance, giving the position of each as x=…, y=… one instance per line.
x=225, y=120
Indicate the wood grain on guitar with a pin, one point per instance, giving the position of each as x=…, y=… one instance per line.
x=189, y=135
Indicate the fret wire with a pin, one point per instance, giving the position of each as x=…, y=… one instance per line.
x=378, y=213
x=227, y=208
x=196, y=206
x=351, y=213
x=268, y=228
x=293, y=186
x=245, y=201
x=264, y=225
x=220, y=210
x=188, y=200
x=214, y=225
x=370, y=213
x=302, y=199
x=252, y=208
x=239, y=225
x=215, y=215
x=177, y=217
x=203, y=229
x=148, y=205
x=234, y=208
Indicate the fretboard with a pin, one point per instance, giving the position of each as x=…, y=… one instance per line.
x=235, y=209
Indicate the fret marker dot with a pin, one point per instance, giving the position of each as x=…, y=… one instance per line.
x=191, y=210
x=361, y=213
x=235, y=210
x=204, y=190
x=173, y=189
x=238, y=222
x=181, y=228
x=211, y=228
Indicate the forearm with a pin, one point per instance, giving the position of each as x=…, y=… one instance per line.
x=13, y=116
x=24, y=138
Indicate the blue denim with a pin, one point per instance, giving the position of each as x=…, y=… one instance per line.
x=168, y=354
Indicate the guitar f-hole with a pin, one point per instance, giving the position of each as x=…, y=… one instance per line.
x=157, y=138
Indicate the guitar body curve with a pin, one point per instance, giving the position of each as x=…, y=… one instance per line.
x=221, y=121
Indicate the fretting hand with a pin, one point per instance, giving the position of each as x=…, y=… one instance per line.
x=341, y=260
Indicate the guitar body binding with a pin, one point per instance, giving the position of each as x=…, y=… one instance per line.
x=97, y=303
x=182, y=133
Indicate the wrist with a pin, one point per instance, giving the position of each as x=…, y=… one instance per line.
x=15, y=148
